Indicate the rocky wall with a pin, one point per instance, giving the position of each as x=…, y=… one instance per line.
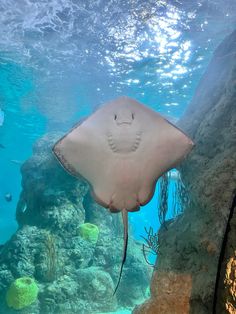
x=190, y=248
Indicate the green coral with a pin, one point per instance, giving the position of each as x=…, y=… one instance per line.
x=89, y=232
x=21, y=293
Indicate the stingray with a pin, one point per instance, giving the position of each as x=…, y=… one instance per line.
x=121, y=150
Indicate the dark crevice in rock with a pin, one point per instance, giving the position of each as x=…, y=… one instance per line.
x=222, y=254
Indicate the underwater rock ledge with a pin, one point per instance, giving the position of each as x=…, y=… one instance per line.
x=188, y=264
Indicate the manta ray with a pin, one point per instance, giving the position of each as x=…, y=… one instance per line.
x=121, y=150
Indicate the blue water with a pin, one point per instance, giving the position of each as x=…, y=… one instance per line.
x=59, y=60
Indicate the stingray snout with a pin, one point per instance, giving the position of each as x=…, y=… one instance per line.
x=124, y=117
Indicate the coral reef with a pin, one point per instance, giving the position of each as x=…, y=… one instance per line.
x=150, y=245
x=74, y=275
x=21, y=293
x=191, y=245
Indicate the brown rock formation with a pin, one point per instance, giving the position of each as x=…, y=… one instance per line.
x=195, y=246
x=226, y=292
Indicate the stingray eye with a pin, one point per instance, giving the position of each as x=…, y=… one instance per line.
x=133, y=116
x=115, y=117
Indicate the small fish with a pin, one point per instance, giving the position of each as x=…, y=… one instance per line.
x=24, y=208
x=17, y=162
x=8, y=197
x=1, y=117
x=2, y=146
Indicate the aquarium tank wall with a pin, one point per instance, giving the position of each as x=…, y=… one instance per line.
x=117, y=157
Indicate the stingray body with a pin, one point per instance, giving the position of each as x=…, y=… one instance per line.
x=121, y=150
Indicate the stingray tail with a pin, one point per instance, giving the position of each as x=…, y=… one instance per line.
x=125, y=223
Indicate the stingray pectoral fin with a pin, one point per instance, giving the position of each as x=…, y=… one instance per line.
x=98, y=199
x=125, y=222
x=146, y=193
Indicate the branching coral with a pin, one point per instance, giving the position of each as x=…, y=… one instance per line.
x=151, y=246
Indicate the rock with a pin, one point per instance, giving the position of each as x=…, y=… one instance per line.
x=187, y=267
x=171, y=287
x=53, y=204
x=97, y=285
x=226, y=293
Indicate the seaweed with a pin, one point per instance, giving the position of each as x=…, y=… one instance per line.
x=178, y=200
x=151, y=245
x=163, y=198
x=51, y=257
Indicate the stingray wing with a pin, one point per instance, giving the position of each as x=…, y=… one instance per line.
x=165, y=146
x=75, y=151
